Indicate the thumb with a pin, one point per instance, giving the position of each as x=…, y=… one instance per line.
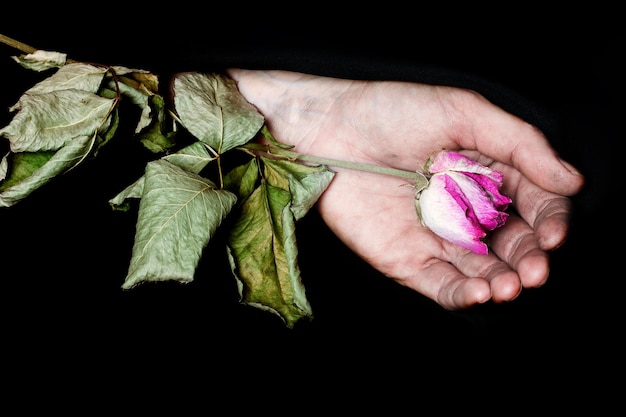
x=515, y=142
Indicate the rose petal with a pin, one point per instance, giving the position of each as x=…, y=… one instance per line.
x=446, y=212
x=454, y=161
x=500, y=201
x=478, y=201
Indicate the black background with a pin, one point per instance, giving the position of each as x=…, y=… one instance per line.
x=65, y=253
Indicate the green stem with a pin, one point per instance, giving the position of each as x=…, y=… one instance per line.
x=27, y=49
x=419, y=179
x=16, y=44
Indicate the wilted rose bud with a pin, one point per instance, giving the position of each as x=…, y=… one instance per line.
x=462, y=201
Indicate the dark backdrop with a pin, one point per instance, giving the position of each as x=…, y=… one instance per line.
x=65, y=253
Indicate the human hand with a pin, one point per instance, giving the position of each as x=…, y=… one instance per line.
x=399, y=125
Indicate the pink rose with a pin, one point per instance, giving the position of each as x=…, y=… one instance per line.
x=462, y=201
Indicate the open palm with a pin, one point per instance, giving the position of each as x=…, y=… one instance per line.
x=399, y=125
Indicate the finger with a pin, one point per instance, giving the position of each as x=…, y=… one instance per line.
x=504, y=282
x=548, y=214
x=421, y=263
x=435, y=276
x=552, y=223
x=516, y=244
x=512, y=141
x=443, y=283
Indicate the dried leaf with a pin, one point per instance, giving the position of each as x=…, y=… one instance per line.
x=179, y=212
x=305, y=183
x=48, y=121
x=152, y=129
x=262, y=253
x=77, y=76
x=212, y=109
x=262, y=246
x=41, y=60
x=32, y=170
x=192, y=158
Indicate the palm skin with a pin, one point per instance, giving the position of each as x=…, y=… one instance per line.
x=399, y=125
